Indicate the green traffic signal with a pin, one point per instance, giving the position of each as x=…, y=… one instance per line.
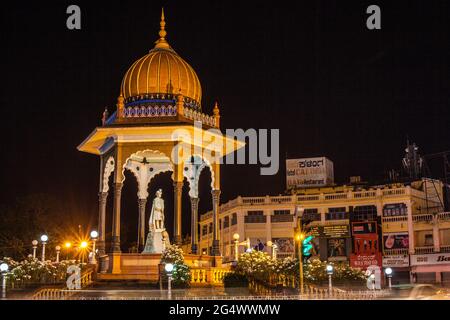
x=307, y=246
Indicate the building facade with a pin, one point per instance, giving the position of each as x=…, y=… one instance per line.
x=396, y=225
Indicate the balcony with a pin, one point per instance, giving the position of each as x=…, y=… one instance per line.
x=445, y=248
x=424, y=250
x=282, y=218
x=395, y=252
x=426, y=217
x=395, y=219
x=443, y=216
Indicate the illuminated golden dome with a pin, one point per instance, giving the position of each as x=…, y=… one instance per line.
x=161, y=74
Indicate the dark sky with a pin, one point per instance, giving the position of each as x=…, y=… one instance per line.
x=309, y=68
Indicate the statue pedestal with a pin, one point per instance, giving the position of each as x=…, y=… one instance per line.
x=155, y=242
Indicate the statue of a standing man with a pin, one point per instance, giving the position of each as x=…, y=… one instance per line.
x=156, y=221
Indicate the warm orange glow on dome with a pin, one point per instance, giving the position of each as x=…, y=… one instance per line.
x=161, y=71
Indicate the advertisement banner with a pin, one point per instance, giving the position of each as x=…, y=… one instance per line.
x=396, y=241
x=363, y=261
x=364, y=227
x=285, y=245
x=427, y=259
x=338, y=231
x=336, y=247
x=309, y=172
x=396, y=261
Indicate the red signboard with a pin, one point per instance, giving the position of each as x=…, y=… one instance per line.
x=363, y=261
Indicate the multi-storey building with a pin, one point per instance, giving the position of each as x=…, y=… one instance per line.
x=402, y=226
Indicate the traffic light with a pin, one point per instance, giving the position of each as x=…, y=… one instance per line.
x=307, y=246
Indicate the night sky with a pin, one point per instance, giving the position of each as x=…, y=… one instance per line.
x=310, y=68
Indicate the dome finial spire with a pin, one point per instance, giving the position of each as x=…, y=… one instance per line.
x=161, y=42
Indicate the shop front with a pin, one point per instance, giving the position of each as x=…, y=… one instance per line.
x=430, y=268
x=400, y=267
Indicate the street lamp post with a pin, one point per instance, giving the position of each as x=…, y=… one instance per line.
x=4, y=269
x=388, y=272
x=236, y=246
x=330, y=270
x=44, y=239
x=58, y=249
x=83, y=246
x=94, y=235
x=67, y=245
x=169, y=269
x=35, y=245
x=300, y=238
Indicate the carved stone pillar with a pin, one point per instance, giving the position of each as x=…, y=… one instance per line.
x=141, y=224
x=115, y=247
x=178, y=189
x=102, y=196
x=194, y=225
x=216, y=234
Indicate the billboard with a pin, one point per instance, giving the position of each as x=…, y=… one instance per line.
x=396, y=241
x=309, y=172
x=332, y=231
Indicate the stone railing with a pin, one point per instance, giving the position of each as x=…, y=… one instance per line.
x=424, y=250
x=445, y=248
x=444, y=216
x=426, y=217
x=63, y=293
x=149, y=111
x=199, y=116
x=395, y=219
x=208, y=276
x=395, y=252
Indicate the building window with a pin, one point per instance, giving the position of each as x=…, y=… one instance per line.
x=234, y=219
x=226, y=222
x=204, y=230
x=281, y=212
x=311, y=214
x=255, y=217
x=220, y=224
x=336, y=214
x=396, y=209
x=429, y=239
x=210, y=228
x=364, y=213
x=255, y=213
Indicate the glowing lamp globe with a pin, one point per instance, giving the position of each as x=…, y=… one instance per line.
x=34, y=242
x=94, y=234
x=236, y=236
x=269, y=243
x=168, y=267
x=4, y=267
x=388, y=271
x=44, y=238
x=83, y=244
x=58, y=248
x=329, y=268
x=67, y=245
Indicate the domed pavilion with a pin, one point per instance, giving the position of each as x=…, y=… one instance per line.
x=158, y=126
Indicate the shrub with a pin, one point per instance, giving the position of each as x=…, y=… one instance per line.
x=181, y=275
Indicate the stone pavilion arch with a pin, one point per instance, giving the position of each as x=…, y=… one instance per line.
x=139, y=136
x=145, y=165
